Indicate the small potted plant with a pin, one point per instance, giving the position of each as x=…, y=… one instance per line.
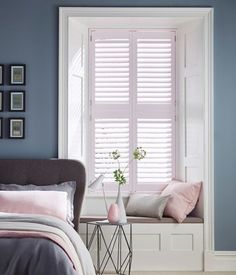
x=119, y=176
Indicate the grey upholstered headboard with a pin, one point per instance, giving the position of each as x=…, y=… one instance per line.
x=46, y=172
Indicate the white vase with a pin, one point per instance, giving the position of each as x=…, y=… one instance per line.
x=120, y=203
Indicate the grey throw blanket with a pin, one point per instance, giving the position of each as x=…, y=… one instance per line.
x=33, y=256
x=47, y=224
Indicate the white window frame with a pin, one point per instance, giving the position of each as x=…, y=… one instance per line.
x=174, y=14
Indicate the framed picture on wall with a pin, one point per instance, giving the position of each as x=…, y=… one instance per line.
x=16, y=128
x=1, y=74
x=17, y=74
x=1, y=126
x=17, y=101
x=1, y=101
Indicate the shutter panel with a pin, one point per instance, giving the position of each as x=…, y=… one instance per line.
x=155, y=135
x=110, y=62
x=111, y=67
x=110, y=134
x=155, y=108
x=154, y=62
x=133, y=104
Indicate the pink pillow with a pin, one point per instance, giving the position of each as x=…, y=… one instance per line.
x=183, y=199
x=52, y=203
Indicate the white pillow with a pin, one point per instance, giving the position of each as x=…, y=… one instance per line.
x=145, y=205
x=68, y=187
x=51, y=203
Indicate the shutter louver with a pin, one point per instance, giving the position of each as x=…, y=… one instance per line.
x=154, y=82
x=111, y=70
x=155, y=135
x=110, y=134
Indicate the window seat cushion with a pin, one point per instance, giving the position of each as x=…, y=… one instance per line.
x=132, y=219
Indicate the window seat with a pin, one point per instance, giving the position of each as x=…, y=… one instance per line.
x=132, y=219
x=160, y=242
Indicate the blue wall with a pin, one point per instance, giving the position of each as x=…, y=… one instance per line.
x=29, y=34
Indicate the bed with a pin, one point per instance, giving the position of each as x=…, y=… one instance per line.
x=37, y=243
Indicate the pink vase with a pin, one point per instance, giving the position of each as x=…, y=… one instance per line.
x=113, y=213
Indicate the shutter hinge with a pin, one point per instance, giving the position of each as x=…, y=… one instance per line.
x=175, y=38
x=91, y=38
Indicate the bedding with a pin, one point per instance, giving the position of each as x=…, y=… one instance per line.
x=34, y=202
x=69, y=187
x=45, y=172
x=33, y=256
x=40, y=244
x=36, y=244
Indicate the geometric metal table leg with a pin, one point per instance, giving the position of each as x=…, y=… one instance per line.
x=124, y=260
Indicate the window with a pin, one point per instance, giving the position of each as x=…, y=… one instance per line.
x=194, y=45
x=132, y=103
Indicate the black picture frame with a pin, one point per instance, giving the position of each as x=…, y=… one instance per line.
x=1, y=74
x=17, y=74
x=17, y=101
x=1, y=101
x=17, y=131
x=1, y=127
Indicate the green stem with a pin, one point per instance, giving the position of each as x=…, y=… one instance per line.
x=127, y=165
x=118, y=163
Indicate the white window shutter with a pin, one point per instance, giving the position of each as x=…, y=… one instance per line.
x=155, y=108
x=110, y=134
x=111, y=66
x=110, y=113
x=132, y=88
x=154, y=64
x=155, y=135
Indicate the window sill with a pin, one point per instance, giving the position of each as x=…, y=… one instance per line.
x=113, y=194
x=110, y=194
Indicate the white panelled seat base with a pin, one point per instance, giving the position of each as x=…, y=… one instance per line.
x=161, y=245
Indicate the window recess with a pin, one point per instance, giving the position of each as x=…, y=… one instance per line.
x=132, y=95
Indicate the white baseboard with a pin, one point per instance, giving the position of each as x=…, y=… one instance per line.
x=220, y=261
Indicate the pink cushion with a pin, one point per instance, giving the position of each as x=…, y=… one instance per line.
x=52, y=203
x=183, y=199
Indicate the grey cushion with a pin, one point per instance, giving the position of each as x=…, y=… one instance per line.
x=146, y=205
x=68, y=187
